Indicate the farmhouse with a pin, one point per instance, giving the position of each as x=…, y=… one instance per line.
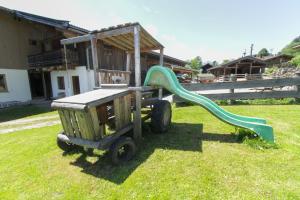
x=32, y=60
x=278, y=60
x=245, y=65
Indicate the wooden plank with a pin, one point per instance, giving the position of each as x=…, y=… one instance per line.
x=78, y=39
x=82, y=125
x=115, y=32
x=242, y=84
x=127, y=109
x=70, y=130
x=96, y=123
x=138, y=98
x=63, y=120
x=116, y=44
x=70, y=106
x=95, y=61
x=92, y=98
x=118, y=113
x=74, y=124
x=128, y=61
x=89, y=124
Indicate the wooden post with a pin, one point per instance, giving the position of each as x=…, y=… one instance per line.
x=250, y=68
x=236, y=67
x=44, y=84
x=95, y=62
x=69, y=91
x=87, y=53
x=128, y=60
x=161, y=63
x=232, y=79
x=161, y=56
x=138, y=98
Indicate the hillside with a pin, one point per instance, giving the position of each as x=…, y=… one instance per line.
x=288, y=49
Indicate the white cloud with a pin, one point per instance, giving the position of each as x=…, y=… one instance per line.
x=184, y=51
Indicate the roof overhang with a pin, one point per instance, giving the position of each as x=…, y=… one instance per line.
x=121, y=36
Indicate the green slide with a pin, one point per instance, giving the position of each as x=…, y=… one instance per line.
x=165, y=77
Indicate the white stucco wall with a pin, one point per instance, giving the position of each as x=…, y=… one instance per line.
x=86, y=80
x=18, y=85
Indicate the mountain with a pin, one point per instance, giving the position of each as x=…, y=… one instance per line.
x=288, y=49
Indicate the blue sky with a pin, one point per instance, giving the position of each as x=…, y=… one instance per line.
x=212, y=29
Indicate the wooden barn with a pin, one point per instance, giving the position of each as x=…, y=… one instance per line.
x=246, y=65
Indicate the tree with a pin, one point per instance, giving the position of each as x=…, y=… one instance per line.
x=296, y=61
x=195, y=63
x=214, y=63
x=225, y=61
x=263, y=52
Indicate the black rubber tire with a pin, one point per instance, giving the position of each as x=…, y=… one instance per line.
x=161, y=116
x=65, y=146
x=122, y=150
x=89, y=151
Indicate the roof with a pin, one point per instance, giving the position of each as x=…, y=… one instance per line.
x=120, y=36
x=92, y=98
x=166, y=57
x=277, y=56
x=61, y=24
x=239, y=61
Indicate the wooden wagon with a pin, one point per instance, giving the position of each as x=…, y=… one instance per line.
x=103, y=119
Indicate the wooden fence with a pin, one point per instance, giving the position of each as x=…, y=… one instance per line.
x=260, y=89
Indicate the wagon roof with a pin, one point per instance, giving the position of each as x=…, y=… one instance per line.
x=93, y=98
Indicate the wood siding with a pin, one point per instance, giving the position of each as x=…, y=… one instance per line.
x=20, y=38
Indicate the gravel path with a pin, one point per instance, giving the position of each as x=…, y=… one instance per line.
x=24, y=124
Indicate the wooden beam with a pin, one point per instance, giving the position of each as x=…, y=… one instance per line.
x=115, y=32
x=95, y=62
x=67, y=72
x=78, y=39
x=242, y=84
x=116, y=43
x=145, y=40
x=128, y=61
x=161, y=56
x=44, y=83
x=126, y=39
x=138, y=98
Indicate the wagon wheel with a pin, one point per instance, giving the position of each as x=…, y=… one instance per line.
x=67, y=147
x=122, y=150
x=161, y=116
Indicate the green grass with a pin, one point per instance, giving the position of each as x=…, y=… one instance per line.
x=182, y=164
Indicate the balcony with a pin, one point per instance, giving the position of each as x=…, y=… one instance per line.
x=53, y=58
x=114, y=76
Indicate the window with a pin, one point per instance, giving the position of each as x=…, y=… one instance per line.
x=3, y=86
x=61, y=82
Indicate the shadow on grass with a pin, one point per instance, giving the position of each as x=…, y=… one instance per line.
x=13, y=113
x=181, y=136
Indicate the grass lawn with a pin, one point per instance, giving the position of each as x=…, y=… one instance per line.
x=182, y=164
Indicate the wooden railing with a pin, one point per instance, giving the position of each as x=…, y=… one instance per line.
x=53, y=58
x=240, y=77
x=114, y=76
x=253, y=89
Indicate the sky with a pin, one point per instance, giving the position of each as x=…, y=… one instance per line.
x=211, y=29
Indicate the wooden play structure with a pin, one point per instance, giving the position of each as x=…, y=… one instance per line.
x=110, y=117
